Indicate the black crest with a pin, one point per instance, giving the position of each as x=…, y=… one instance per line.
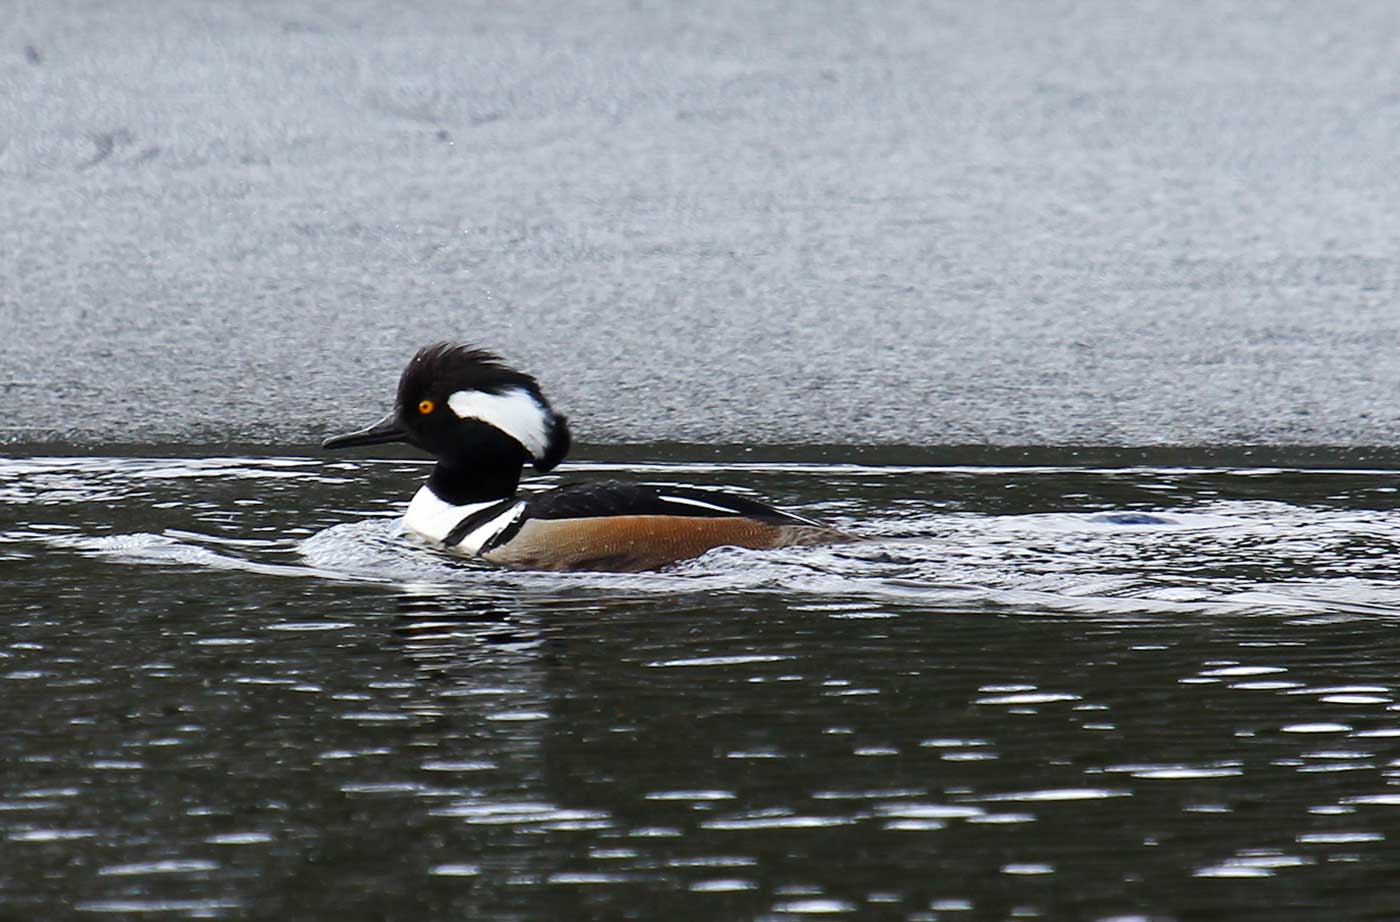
x=441, y=369
x=447, y=367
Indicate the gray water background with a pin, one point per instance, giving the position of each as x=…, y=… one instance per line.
x=1028, y=223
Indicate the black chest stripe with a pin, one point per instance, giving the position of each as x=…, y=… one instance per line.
x=505, y=534
x=477, y=519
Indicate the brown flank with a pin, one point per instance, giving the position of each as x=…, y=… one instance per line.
x=629, y=543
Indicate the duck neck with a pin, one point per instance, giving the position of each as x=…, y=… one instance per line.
x=462, y=484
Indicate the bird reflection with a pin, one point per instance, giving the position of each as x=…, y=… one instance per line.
x=459, y=639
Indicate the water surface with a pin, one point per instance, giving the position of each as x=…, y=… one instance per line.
x=912, y=221
x=233, y=689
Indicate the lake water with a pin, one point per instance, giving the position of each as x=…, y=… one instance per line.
x=231, y=689
x=1122, y=222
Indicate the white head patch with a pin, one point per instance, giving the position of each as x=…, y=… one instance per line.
x=515, y=412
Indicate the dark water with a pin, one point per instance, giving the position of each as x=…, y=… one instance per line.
x=231, y=690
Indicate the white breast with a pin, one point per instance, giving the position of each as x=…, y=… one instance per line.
x=432, y=519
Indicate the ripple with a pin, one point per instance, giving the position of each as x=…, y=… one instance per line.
x=1027, y=698
x=778, y=822
x=1058, y=794
x=722, y=660
x=51, y=835
x=997, y=819
x=1318, y=727
x=1115, y=563
x=1027, y=869
x=374, y=717
x=240, y=838
x=914, y=825
x=167, y=866
x=161, y=906
x=1254, y=864
x=1177, y=772
x=1232, y=870
x=1381, y=799
x=497, y=813
x=455, y=870
x=304, y=626
x=722, y=885
x=470, y=765
x=928, y=811
x=1338, y=838
x=814, y=907
x=579, y=878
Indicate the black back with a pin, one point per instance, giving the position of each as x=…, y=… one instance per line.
x=611, y=497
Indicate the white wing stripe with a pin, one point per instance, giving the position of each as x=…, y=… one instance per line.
x=684, y=500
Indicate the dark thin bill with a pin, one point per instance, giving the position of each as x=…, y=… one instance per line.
x=386, y=430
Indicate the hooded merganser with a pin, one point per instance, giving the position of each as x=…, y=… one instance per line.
x=484, y=421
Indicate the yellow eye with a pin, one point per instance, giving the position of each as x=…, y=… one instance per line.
x=426, y=406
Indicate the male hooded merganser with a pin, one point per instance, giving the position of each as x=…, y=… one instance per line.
x=484, y=421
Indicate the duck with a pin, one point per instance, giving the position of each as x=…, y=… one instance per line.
x=484, y=422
